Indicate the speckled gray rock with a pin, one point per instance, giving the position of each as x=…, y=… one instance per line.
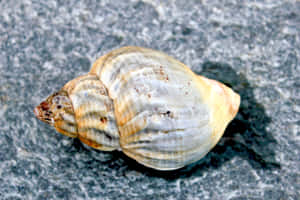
x=253, y=46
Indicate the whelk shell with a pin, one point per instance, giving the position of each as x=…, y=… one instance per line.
x=145, y=103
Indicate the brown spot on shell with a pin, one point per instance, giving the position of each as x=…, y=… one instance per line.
x=45, y=106
x=103, y=120
x=102, y=90
x=160, y=73
x=169, y=114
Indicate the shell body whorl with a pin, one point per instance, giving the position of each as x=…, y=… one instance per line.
x=151, y=106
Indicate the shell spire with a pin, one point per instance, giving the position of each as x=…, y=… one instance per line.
x=57, y=111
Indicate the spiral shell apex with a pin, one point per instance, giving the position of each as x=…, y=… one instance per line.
x=145, y=103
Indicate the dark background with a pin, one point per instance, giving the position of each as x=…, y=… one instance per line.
x=252, y=46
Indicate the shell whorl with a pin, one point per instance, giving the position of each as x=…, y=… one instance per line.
x=94, y=112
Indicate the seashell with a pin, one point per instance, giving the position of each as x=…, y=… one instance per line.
x=146, y=104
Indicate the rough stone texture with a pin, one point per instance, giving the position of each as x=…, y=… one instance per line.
x=253, y=46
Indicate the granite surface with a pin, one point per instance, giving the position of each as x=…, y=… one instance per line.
x=252, y=46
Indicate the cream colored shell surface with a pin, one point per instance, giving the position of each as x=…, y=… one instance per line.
x=159, y=107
